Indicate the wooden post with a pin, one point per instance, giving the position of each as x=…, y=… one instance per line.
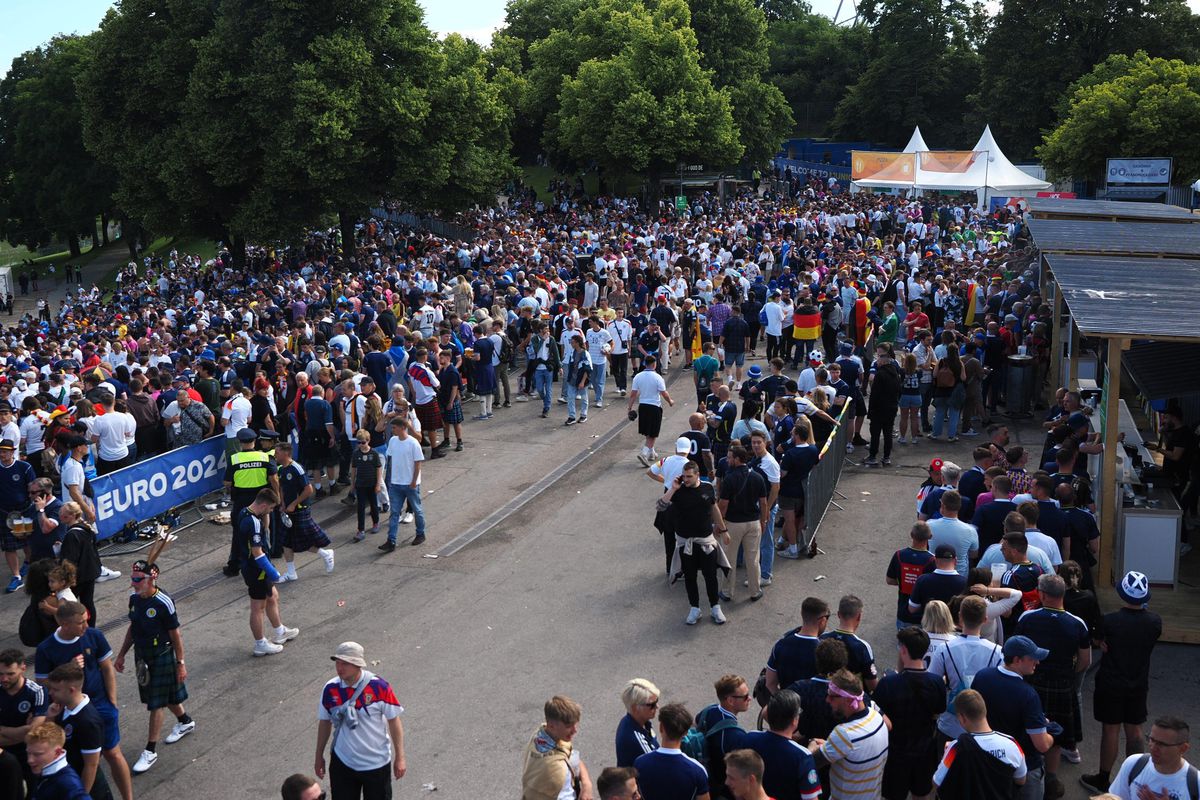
x=1056, y=339
x=1072, y=379
x=1110, y=485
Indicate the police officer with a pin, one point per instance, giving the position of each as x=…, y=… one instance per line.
x=158, y=652
x=248, y=471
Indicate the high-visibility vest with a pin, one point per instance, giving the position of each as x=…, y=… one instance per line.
x=249, y=469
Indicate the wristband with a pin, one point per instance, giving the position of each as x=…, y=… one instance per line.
x=267, y=567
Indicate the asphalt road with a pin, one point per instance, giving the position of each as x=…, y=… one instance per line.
x=566, y=595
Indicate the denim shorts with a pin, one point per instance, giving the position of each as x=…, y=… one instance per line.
x=910, y=401
x=735, y=359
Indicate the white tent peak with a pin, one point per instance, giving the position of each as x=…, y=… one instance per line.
x=916, y=142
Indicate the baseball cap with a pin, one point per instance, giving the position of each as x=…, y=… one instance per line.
x=1019, y=646
x=351, y=653
x=246, y=435
x=683, y=445
x=846, y=348
x=945, y=551
x=7, y=444
x=1134, y=588
x=935, y=465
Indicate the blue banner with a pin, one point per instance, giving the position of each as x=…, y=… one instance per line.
x=156, y=485
x=812, y=169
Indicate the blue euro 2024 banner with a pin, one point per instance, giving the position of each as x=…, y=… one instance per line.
x=156, y=485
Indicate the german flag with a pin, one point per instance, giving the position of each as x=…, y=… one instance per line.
x=806, y=323
x=969, y=318
x=862, y=325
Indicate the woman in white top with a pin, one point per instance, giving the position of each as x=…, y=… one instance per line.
x=1000, y=601
x=939, y=625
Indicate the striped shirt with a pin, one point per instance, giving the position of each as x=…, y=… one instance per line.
x=856, y=751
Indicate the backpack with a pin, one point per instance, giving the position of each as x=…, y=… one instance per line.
x=945, y=377
x=695, y=742
x=963, y=682
x=762, y=316
x=506, y=350
x=1193, y=775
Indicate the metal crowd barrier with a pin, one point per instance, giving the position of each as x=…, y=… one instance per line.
x=821, y=488
x=439, y=227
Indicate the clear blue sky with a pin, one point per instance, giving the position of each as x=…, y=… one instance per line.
x=29, y=23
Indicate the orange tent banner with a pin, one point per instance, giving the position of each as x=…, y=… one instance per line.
x=948, y=160
x=866, y=163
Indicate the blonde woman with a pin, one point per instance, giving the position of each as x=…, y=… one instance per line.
x=635, y=734
x=938, y=623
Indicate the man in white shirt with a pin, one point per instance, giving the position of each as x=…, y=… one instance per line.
x=403, y=472
x=110, y=432
x=235, y=415
x=773, y=311
x=72, y=478
x=599, y=345
x=646, y=396
x=1162, y=773
x=621, y=333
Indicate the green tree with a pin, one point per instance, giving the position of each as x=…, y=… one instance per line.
x=1128, y=106
x=1035, y=50
x=812, y=61
x=272, y=116
x=920, y=56
x=624, y=89
x=51, y=185
x=732, y=36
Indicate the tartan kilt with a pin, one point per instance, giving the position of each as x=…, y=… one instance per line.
x=1058, y=704
x=430, y=415
x=454, y=414
x=159, y=686
x=305, y=533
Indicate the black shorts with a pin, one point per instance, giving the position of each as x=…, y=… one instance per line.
x=649, y=420
x=1119, y=706
x=257, y=585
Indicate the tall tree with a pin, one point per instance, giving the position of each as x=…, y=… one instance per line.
x=1128, y=106
x=1035, y=50
x=624, y=89
x=732, y=36
x=51, y=184
x=812, y=61
x=920, y=56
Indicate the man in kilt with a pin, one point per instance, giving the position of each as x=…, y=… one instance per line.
x=300, y=531
x=158, y=653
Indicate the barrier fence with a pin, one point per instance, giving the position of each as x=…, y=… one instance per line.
x=156, y=485
x=439, y=227
x=821, y=487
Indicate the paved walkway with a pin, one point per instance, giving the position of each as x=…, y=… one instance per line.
x=54, y=290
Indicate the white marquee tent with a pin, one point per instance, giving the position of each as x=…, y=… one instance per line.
x=984, y=168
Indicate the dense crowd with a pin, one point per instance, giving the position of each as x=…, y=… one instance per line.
x=329, y=373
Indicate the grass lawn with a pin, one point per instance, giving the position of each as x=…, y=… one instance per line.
x=188, y=245
x=539, y=178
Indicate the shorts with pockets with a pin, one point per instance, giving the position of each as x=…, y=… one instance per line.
x=112, y=722
x=257, y=585
x=1119, y=706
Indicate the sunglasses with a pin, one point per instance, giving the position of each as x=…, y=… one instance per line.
x=137, y=578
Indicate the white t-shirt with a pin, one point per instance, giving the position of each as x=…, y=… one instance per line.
x=649, y=385
x=1044, y=543
x=669, y=468
x=1152, y=779
x=71, y=475
x=236, y=415
x=1000, y=745
x=402, y=455
x=596, y=339
x=774, y=314
x=111, y=430
x=621, y=332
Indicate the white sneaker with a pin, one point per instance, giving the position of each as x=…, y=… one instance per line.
x=693, y=616
x=621, y=392
x=407, y=518
x=287, y=635
x=107, y=574
x=267, y=649
x=522, y=398
x=792, y=552
x=180, y=730
x=644, y=458
x=718, y=616
x=145, y=761
x=597, y=404
x=327, y=555
x=288, y=577
x=902, y=440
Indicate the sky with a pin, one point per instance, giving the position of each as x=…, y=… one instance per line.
x=29, y=23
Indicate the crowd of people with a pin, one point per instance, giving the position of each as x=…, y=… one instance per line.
x=329, y=373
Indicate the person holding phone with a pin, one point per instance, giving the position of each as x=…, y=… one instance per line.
x=697, y=521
